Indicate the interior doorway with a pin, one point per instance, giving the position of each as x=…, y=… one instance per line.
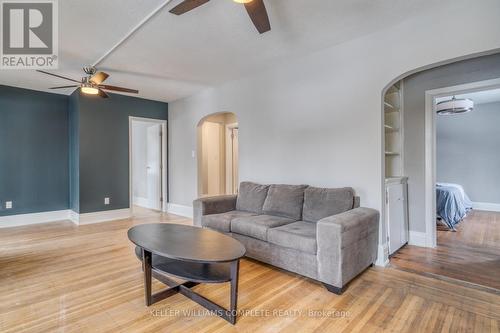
x=147, y=160
x=432, y=98
x=218, y=154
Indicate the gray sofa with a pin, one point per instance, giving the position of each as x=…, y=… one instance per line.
x=316, y=232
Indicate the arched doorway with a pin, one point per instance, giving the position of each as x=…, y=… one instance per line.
x=218, y=154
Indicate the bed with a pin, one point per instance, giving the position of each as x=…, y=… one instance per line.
x=452, y=204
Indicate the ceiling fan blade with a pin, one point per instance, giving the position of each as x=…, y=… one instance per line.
x=106, y=87
x=62, y=87
x=59, y=76
x=258, y=14
x=99, y=77
x=102, y=94
x=186, y=6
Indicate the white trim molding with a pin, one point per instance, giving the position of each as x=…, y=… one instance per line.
x=487, y=206
x=33, y=218
x=419, y=239
x=103, y=216
x=164, y=161
x=181, y=210
x=382, y=255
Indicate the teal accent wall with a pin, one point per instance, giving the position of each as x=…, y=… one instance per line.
x=104, y=147
x=66, y=152
x=33, y=151
x=74, y=152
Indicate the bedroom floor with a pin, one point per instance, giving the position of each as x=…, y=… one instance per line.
x=471, y=255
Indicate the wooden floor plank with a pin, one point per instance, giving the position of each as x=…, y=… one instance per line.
x=57, y=277
x=472, y=254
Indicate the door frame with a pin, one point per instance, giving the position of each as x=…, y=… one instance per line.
x=164, y=160
x=229, y=153
x=430, y=148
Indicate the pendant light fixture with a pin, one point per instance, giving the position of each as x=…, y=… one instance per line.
x=454, y=106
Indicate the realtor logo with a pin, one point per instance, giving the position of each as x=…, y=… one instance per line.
x=29, y=34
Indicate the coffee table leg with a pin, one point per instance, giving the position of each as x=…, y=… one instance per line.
x=146, y=267
x=235, y=268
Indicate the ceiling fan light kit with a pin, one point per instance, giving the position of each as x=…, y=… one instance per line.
x=92, y=83
x=89, y=90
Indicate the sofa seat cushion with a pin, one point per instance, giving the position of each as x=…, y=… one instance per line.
x=285, y=201
x=299, y=236
x=323, y=202
x=257, y=226
x=222, y=222
x=251, y=197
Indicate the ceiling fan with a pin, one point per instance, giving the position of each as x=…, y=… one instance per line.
x=92, y=83
x=255, y=9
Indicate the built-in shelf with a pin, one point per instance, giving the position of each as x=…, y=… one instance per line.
x=393, y=128
x=389, y=105
x=390, y=129
x=388, y=112
x=396, y=180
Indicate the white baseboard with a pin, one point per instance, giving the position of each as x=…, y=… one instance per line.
x=60, y=215
x=180, y=210
x=103, y=216
x=140, y=201
x=34, y=218
x=382, y=255
x=490, y=207
x=418, y=238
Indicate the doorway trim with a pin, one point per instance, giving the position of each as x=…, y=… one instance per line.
x=164, y=167
x=430, y=148
x=229, y=152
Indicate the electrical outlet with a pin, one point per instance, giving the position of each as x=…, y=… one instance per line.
x=8, y=205
x=106, y=201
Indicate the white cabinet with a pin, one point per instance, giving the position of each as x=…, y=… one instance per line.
x=396, y=212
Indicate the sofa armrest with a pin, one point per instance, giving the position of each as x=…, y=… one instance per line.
x=212, y=205
x=347, y=245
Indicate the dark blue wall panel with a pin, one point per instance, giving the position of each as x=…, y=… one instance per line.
x=74, y=152
x=33, y=151
x=104, y=147
x=59, y=152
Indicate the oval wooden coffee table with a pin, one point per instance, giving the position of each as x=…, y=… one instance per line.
x=192, y=254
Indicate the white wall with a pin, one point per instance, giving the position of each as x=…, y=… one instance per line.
x=318, y=119
x=467, y=151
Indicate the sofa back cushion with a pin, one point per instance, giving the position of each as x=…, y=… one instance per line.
x=251, y=197
x=323, y=202
x=285, y=201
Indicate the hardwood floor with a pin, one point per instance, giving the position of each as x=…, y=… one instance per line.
x=472, y=254
x=57, y=277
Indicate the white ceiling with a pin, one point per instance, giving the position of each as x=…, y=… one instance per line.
x=478, y=97
x=171, y=56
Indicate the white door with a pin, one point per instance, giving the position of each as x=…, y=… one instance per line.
x=396, y=217
x=153, y=159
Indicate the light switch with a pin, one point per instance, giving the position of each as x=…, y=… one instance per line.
x=193, y=153
x=106, y=201
x=8, y=204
